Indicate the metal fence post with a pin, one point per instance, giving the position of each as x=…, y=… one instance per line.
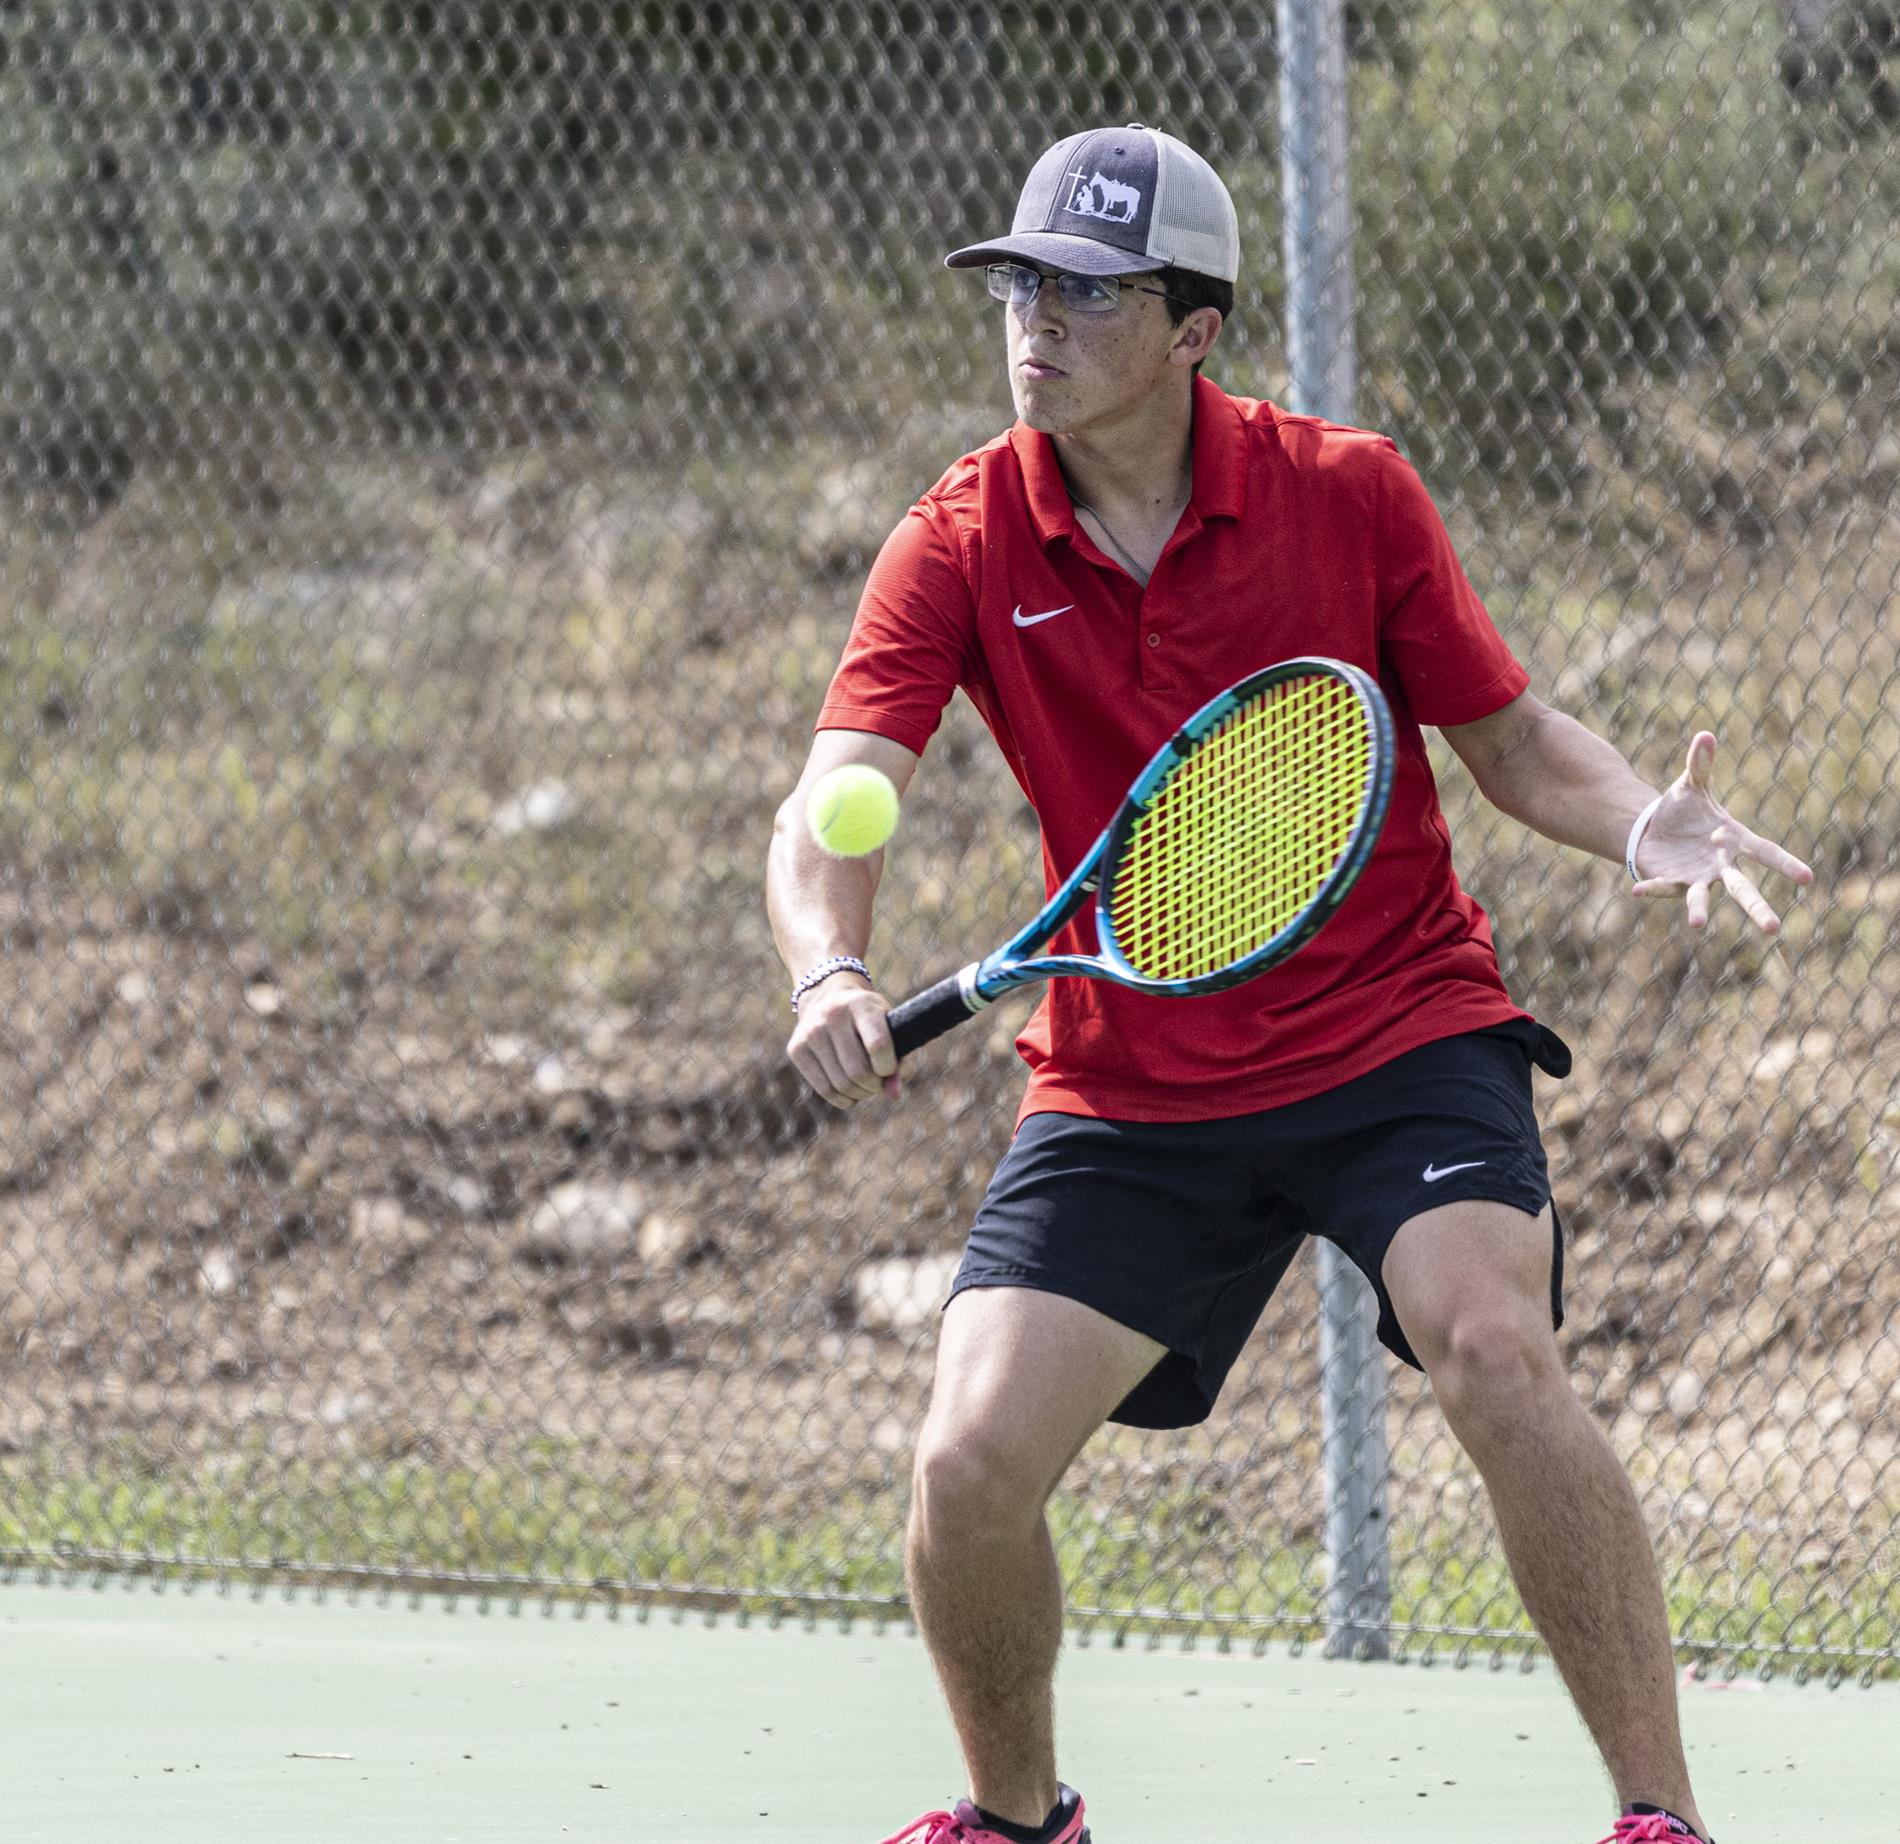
x=1320, y=356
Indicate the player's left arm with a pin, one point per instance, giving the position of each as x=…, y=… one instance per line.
x=1547, y=771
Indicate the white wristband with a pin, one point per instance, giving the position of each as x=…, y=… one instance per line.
x=1636, y=838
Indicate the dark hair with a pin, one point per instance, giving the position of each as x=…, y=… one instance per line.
x=1189, y=289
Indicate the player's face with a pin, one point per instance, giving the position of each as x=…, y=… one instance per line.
x=1069, y=369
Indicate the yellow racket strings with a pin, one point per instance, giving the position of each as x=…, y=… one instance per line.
x=1245, y=832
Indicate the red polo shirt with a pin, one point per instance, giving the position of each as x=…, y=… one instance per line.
x=1302, y=537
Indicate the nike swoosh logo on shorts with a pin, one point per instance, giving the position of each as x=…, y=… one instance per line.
x=1022, y=620
x=1435, y=1172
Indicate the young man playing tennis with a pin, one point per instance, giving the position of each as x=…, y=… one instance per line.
x=1134, y=543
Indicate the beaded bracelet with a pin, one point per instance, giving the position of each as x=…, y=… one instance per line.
x=838, y=963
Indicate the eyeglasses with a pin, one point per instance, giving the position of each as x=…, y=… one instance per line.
x=1019, y=285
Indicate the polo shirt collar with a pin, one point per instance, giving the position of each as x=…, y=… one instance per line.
x=1220, y=467
x=1220, y=453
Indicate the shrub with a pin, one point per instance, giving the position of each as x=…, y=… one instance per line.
x=1556, y=233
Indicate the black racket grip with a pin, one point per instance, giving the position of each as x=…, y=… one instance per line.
x=928, y=1014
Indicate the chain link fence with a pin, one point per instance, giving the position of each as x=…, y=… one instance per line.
x=440, y=448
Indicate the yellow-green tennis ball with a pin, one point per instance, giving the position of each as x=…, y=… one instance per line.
x=852, y=810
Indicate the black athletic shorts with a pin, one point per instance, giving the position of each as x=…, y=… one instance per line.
x=1182, y=1229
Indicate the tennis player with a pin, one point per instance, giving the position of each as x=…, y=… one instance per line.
x=1136, y=541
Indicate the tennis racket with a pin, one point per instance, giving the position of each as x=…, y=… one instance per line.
x=1232, y=848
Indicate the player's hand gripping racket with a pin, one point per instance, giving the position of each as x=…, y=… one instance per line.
x=1233, y=846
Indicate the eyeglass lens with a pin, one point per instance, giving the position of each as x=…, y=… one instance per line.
x=1086, y=294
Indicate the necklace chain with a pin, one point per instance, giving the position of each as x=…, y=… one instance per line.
x=1127, y=556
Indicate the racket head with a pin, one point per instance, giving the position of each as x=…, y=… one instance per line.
x=1247, y=830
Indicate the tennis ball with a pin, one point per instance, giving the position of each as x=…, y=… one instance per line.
x=852, y=810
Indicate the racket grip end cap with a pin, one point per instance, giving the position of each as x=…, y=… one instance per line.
x=935, y=1010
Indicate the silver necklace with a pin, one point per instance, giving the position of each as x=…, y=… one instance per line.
x=1128, y=561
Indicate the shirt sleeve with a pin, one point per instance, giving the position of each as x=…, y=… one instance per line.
x=911, y=638
x=1434, y=634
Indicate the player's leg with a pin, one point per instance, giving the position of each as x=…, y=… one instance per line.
x=1023, y=1379
x=1430, y=1173
x=1470, y=1284
x=1114, y=1271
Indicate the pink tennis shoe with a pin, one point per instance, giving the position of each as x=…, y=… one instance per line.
x=1650, y=1828
x=962, y=1826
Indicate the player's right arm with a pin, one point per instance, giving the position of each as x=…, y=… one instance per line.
x=820, y=906
x=909, y=649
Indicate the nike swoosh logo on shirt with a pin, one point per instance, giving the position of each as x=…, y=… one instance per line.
x=1022, y=620
x=1435, y=1172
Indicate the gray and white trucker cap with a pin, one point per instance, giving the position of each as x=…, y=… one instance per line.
x=1119, y=201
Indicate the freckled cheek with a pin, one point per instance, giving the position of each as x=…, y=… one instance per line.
x=1088, y=354
x=1102, y=359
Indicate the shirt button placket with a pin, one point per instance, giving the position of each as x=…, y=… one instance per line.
x=1153, y=672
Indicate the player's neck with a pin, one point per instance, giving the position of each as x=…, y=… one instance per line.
x=1140, y=466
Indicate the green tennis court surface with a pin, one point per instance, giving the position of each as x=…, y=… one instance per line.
x=153, y=1716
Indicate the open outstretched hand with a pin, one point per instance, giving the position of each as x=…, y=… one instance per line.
x=1693, y=842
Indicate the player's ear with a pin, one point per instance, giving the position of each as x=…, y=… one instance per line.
x=1194, y=338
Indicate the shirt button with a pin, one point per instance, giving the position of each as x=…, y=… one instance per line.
x=1154, y=640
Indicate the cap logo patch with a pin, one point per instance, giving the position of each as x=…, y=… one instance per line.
x=1094, y=195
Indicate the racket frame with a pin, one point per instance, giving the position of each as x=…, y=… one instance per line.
x=1367, y=823
x=1016, y=963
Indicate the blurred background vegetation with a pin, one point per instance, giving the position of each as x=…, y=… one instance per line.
x=432, y=199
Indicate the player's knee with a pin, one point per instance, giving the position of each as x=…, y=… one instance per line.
x=1491, y=1360
x=972, y=1477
